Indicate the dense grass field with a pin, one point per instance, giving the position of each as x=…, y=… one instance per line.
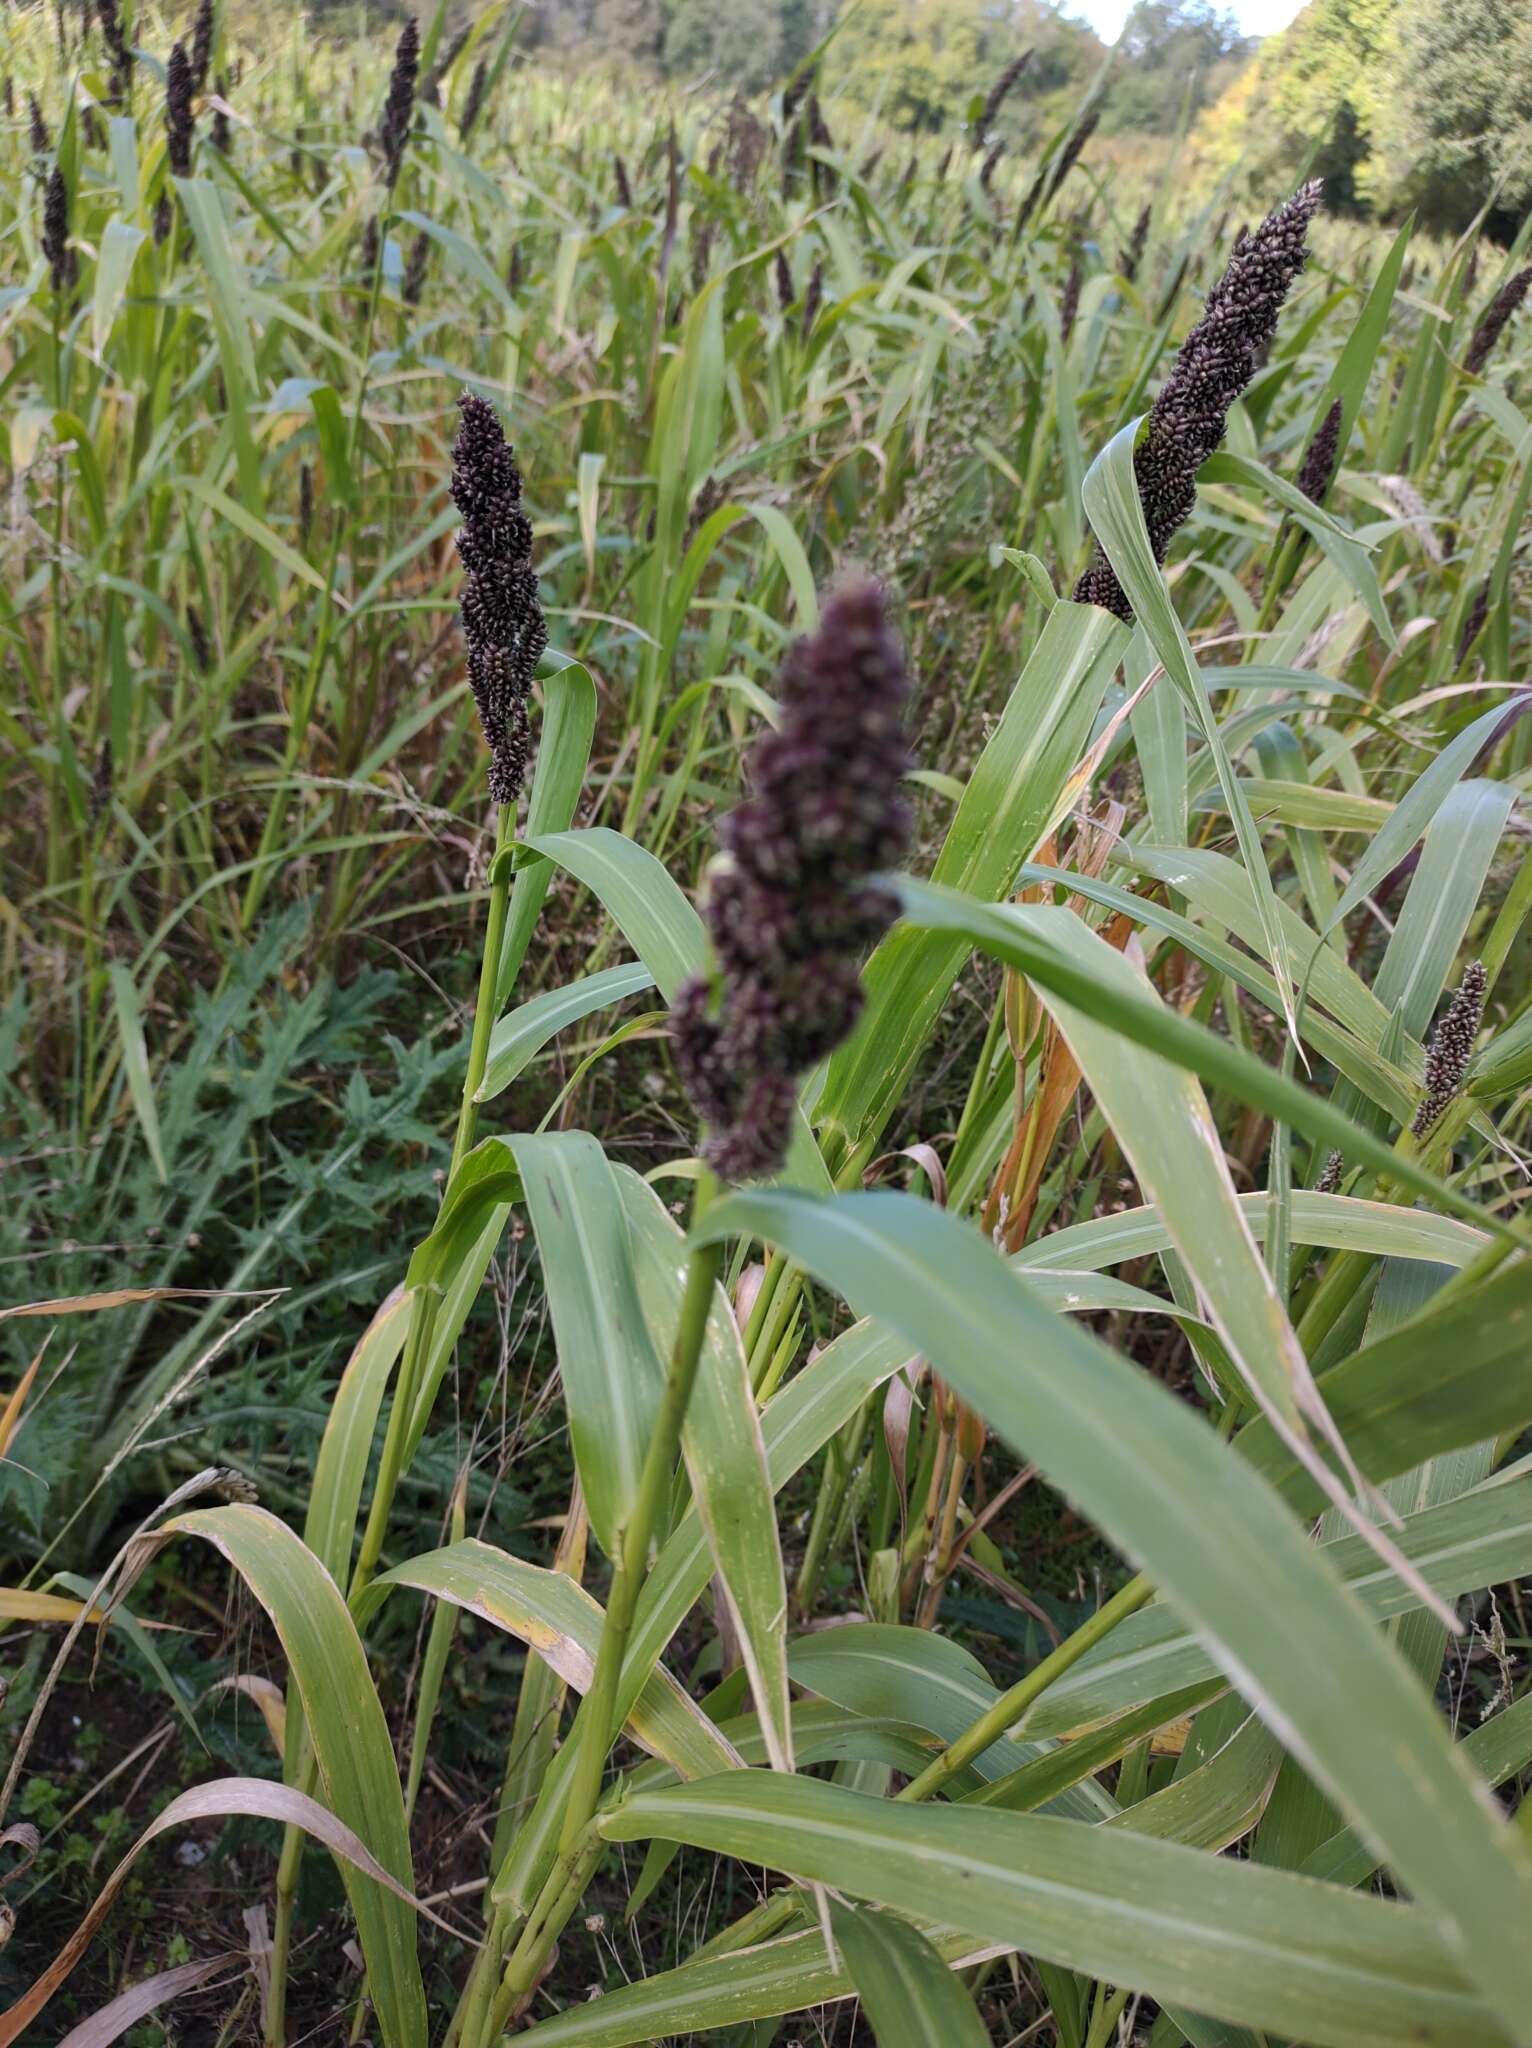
x=553, y=1442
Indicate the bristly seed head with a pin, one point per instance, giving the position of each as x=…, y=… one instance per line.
x=399, y=107
x=1451, y=1047
x=1131, y=257
x=178, y=112
x=415, y=269
x=784, y=276
x=37, y=128
x=202, y=46
x=1070, y=154
x=1473, y=623
x=502, y=620
x=62, y=268
x=1318, y=471
x=117, y=47
x=1217, y=360
x=1497, y=313
x=792, y=905
x=202, y=648
x=999, y=92
x=1069, y=299
x=473, y=105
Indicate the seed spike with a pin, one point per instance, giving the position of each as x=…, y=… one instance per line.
x=1217, y=360
x=792, y=905
x=502, y=620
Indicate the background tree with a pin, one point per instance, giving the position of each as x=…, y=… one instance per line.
x=1459, y=133
x=1311, y=105
x=1175, y=57
x=922, y=63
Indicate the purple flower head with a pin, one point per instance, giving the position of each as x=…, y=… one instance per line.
x=1451, y=1047
x=1318, y=471
x=794, y=905
x=178, y=111
x=399, y=107
x=1217, y=360
x=1497, y=313
x=502, y=620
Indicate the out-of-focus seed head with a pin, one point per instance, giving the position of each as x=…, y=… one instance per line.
x=179, y=125
x=999, y=92
x=37, y=128
x=813, y=297
x=1492, y=325
x=436, y=78
x=502, y=620
x=415, y=269
x=620, y=181
x=305, y=503
x=1030, y=200
x=203, y=31
x=793, y=97
x=1473, y=623
x=399, y=107
x=1318, y=471
x=987, y=168
x=747, y=140
x=1451, y=1047
x=784, y=277
x=61, y=258
x=793, y=903
x=223, y=136
x=164, y=220
x=117, y=48
x=202, y=647
x=1069, y=299
x=473, y=105
x=1216, y=362
x=1070, y=154
x=1133, y=255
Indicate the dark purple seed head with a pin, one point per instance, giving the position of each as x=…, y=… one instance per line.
x=1318, y=471
x=1217, y=360
x=179, y=127
x=795, y=903
x=1497, y=313
x=1451, y=1047
x=399, y=107
x=502, y=619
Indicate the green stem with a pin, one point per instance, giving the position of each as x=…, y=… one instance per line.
x=486, y=1007
x=1010, y=1706
x=594, y=1731
x=598, y=1721
x=422, y=1320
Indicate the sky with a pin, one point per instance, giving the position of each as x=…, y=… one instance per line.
x=1256, y=17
